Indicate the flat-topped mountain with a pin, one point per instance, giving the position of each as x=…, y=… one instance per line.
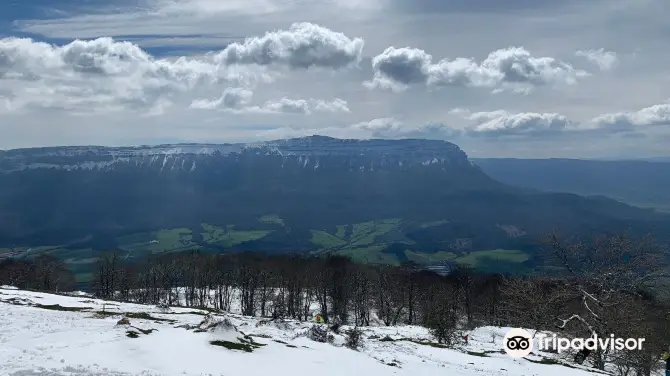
x=309, y=152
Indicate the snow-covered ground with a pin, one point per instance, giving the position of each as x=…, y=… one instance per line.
x=75, y=338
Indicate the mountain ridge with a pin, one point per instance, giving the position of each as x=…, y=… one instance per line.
x=635, y=182
x=311, y=146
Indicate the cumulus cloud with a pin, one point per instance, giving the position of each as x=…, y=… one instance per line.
x=104, y=74
x=385, y=128
x=336, y=105
x=381, y=125
x=510, y=68
x=302, y=106
x=394, y=128
x=231, y=98
x=286, y=105
x=26, y=59
x=503, y=123
x=237, y=100
x=655, y=115
x=605, y=60
x=304, y=45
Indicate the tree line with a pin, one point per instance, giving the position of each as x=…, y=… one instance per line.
x=42, y=273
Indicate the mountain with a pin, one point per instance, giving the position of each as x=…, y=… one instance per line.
x=641, y=183
x=656, y=159
x=375, y=200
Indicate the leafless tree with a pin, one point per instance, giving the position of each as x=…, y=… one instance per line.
x=533, y=302
x=390, y=294
x=107, y=274
x=603, y=275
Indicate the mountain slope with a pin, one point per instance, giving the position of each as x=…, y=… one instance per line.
x=643, y=183
x=376, y=200
x=71, y=339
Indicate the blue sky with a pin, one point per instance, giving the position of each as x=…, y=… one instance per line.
x=14, y=12
x=516, y=78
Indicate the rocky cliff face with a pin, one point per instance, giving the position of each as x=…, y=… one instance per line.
x=309, y=153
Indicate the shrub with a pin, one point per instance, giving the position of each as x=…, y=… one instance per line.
x=318, y=334
x=354, y=338
x=444, y=330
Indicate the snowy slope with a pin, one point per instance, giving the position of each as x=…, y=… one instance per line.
x=307, y=152
x=38, y=338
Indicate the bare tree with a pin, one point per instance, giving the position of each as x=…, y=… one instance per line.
x=604, y=274
x=107, y=274
x=533, y=302
x=390, y=294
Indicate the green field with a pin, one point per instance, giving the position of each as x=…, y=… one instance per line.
x=383, y=241
x=367, y=242
x=497, y=261
x=366, y=233
x=496, y=255
x=357, y=235
x=178, y=239
x=271, y=219
x=182, y=239
x=370, y=255
x=326, y=240
x=229, y=237
x=434, y=223
x=428, y=258
x=341, y=231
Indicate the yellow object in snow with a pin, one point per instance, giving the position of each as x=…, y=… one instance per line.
x=665, y=356
x=319, y=319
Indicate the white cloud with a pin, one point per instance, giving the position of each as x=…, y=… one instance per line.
x=379, y=125
x=286, y=105
x=104, y=75
x=336, y=105
x=26, y=59
x=387, y=128
x=394, y=128
x=205, y=7
x=236, y=100
x=301, y=106
x=605, y=60
x=655, y=115
x=159, y=108
x=503, y=123
x=304, y=45
x=509, y=68
x=231, y=98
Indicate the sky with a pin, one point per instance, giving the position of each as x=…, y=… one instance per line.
x=514, y=78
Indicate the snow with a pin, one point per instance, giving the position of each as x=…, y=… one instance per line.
x=37, y=338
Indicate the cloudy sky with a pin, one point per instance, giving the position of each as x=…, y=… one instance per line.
x=519, y=78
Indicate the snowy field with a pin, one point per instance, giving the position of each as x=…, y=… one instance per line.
x=55, y=335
